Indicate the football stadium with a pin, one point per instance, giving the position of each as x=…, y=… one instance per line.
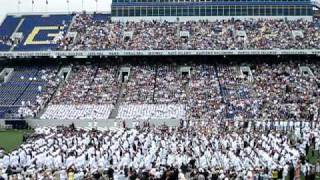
x=162, y=90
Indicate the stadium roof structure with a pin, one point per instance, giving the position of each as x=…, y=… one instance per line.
x=136, y=10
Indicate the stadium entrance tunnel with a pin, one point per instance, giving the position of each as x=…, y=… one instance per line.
x=16, y=124
x=124, y=74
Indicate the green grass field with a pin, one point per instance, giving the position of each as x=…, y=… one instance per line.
x=11, y=139
x=312, y=158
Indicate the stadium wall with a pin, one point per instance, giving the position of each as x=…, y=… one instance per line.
x=107, y=123
x=209, y=18
x=113, y=53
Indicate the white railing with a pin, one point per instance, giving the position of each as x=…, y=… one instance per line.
x=56, y=54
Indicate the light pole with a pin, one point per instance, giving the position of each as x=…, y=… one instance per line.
x=68, y=6
x=47, y=5
x=19, y=3
x=32, y=5
x=82, y=5
x=96, y=5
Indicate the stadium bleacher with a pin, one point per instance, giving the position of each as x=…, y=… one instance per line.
x=205, y=99
x=7, y=28
x=9, y=25
x=35, y=32
x=97, y=32
x=209, y=91
x=40, y=31
x=220, y=91
x=23, y=88
x=231, y=34
x=14, y=88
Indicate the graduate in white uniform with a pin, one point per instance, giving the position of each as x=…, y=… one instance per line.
x=230, y=149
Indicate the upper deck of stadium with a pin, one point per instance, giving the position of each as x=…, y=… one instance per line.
x=167, y=28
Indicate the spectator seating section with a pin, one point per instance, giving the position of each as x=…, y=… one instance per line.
x=77, y=112
x=23, y=86
x=152, y=111
x=6, y=30
x=96, y=32
x=39, y=31
x=277, y=91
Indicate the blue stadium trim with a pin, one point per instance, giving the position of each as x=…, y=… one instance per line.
x=117, y=4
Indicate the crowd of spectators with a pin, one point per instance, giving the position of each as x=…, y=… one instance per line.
x=6, y=41
x=39, y=92
x=75, y=89
x=170, y=85
x=48, y=75
x=192, y=35
x=89, y=84
x=204, y=100
x=283, y=92
x=77, y=112
x=194, y=150
x=315, y=69
x=91, y=34
x=139, y=89
x=277, y=91
x=154, y=92
x=152, y=111
x=89, y=93
x=235, y=91
x=279, y=34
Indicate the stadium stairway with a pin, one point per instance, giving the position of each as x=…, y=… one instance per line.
x=16, y=30
x=60, y=85
x=70, y=32
x=155, y=83
x=7, y=28
x=187, y=89
x=219, y=82
x=72, y=22
x=115, y=109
